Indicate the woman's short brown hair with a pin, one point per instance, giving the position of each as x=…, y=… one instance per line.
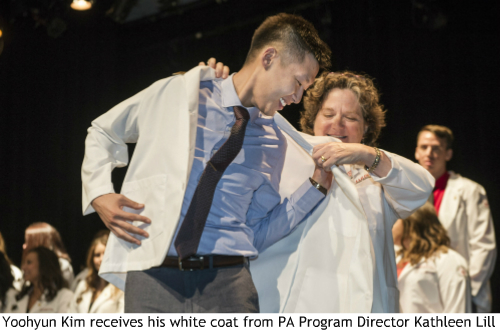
x=426, y=235
x=363, y=88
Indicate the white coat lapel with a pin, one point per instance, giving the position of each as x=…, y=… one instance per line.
x=451, y=200
x=192, y=80
x=103, y=297
x=408, y=268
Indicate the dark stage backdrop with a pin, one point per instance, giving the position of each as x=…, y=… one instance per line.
x=51, y=89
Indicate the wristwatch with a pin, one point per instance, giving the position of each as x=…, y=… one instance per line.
x=318, y=186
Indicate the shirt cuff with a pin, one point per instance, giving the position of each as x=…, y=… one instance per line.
x=306, y=197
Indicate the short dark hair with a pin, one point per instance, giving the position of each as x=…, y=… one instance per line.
x=297, y=35
x=441, y=132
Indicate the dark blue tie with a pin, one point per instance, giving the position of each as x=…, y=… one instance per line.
x=188, y=239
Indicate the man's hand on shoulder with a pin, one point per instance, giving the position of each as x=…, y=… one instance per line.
x=221, y=71
x=110, y=209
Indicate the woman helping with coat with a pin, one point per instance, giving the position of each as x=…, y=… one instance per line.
x=334, y=262
x=94, y=294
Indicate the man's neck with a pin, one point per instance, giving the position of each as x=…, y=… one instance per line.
x=244, y=82
x=437, y=175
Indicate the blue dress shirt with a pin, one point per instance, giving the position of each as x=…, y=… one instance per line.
x=247, y=214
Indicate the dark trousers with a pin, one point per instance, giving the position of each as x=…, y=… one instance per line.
x=170, y=290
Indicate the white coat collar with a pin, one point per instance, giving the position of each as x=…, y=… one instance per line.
x=451, y=198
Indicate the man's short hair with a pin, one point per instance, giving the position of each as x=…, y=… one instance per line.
x=441, y=132
x=296, y=36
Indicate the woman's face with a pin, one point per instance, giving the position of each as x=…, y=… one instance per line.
x=340, y=116
x=30, y=267
x=98, y=254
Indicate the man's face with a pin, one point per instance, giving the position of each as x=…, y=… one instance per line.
x=432, y=154
x=280, y=85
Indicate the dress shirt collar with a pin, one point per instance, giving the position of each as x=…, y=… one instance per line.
x=230, y=98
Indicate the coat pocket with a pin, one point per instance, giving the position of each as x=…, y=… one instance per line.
x=150, y=192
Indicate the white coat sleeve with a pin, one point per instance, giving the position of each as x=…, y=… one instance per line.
x=105, y=147
x=407, y=185
x=454, y=284
x=482, y=243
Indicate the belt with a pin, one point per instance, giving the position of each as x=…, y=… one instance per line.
x=202, y=262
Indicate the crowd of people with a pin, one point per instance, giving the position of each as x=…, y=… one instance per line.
x=330, y=222
x=46, y=282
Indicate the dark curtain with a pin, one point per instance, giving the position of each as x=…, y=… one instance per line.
x=51, y=89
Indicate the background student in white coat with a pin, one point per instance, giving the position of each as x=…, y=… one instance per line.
x=333, y=271
x=44, y=290
x=16, y=272
x=463, y=209
x=6, y=282
x=432, y=278
x=44, y=234
x=94, y=294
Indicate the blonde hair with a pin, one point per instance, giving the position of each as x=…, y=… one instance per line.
x=363, y=88
x=3, y=249
x=427, y=235
x=92, y=280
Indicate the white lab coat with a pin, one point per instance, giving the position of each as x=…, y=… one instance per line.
x=466, y=215
x=60, y=303
x=439, y=284
x=18, y=277
x=340, y=260
x=9, y=295
x=111, y=300
x=166, y=115
x=67, y=271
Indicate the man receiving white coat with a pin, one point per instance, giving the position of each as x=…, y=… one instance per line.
x=179, y=125
x=463, y=210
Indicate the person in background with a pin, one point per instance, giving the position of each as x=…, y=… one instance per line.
x=85, y=271
x=94, y=294
x=6, y=281
x=43, y=234
x=462, y=207
x=16, y=272
x=432, y=278
x=44, y=289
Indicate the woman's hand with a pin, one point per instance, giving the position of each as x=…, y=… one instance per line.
x=337, y=153
x=221, y=71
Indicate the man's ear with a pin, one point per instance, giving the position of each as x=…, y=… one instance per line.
x=268, y=57
x=449, y=154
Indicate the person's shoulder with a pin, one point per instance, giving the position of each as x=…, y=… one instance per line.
x=64, y=294
x=82, y=286
x=463, y=180
x=452, y=257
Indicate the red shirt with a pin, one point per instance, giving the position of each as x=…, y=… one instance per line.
x=439, y=190
x=400, y=266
